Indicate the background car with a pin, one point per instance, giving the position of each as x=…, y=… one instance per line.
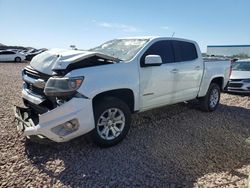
x=240, y=78
x=8, y=55
x=32, y=54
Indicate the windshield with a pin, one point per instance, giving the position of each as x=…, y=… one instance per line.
x=123, y=49
x=241, y=66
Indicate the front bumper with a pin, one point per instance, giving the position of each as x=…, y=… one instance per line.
x=43, y=125
x=238, y=86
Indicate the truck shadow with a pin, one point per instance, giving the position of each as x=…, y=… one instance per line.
x=238, y=94
x=171, y=145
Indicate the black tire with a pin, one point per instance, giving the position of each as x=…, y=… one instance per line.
x=100, y=109
x=205, y=102
x=18, y=59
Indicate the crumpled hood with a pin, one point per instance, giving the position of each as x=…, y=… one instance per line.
x=59, y=59
x=240, y=75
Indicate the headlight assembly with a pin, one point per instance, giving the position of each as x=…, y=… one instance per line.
x=62, y=86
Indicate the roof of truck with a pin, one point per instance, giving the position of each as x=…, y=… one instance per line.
x=139, y=37
x=156, y=37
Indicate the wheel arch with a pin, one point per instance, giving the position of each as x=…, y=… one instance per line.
x=219, y=81
x=124, y=94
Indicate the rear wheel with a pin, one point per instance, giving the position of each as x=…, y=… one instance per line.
x=18, y=59
x=211, y=101
x=112, y=121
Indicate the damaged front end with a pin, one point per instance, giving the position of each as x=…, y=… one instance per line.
x=55, y=109
x=26, y=119
x=52, y=107
x=65, y=122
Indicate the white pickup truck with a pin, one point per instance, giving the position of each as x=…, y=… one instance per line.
x=68, y=93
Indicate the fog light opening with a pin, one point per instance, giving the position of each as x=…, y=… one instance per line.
x=71, y=125
x=66, y=128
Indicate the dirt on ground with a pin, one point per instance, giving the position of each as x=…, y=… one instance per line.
x=173, y=146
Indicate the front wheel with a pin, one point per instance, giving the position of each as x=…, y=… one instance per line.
x=211, y=101
x=112, y=121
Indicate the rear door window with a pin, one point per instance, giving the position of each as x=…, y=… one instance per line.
x=161, y=48
x=184, y=51
x=9, y=52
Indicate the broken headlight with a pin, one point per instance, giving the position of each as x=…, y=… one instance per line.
x=62, y=86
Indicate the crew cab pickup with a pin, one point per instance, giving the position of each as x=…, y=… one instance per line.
x=68, y=93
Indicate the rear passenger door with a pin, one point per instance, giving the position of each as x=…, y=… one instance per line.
x=188, y=70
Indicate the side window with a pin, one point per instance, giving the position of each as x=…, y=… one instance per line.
x=3, y=53
x=184, y=51
x=161, y=48
x=9, y=52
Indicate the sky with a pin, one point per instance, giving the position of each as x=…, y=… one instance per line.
x=86, y=24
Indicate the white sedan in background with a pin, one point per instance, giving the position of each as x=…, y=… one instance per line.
x=7, y=55
x=240, y=78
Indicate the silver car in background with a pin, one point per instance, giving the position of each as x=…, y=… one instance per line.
x=240, y=78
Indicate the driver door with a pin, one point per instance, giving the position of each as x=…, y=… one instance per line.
x=157, y=83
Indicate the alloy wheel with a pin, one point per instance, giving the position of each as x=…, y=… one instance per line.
x=111, y=123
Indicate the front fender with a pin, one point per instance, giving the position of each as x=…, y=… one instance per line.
x=109, y=77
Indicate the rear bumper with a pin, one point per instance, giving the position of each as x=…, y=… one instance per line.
x=50, y=124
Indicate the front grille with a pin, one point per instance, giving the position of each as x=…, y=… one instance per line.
x=34, y=90
x=49, y=102
x=236, y=80
x=235, y=85
x=30, y=72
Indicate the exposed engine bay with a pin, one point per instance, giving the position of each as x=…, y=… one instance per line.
x=56, y=63
x=57, y=60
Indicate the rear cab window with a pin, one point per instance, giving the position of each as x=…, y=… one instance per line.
x=184, y=51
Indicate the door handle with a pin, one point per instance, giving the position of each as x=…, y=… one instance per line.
x=197, y=68
x=174, y=71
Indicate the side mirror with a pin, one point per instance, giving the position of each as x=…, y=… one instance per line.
x=153, y=60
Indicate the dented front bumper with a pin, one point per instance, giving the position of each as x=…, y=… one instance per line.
x=54, y=123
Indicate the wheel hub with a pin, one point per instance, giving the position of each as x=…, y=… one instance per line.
x=111, y=123
x=214, y=98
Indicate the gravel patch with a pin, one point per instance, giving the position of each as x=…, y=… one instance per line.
x=174, y=146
